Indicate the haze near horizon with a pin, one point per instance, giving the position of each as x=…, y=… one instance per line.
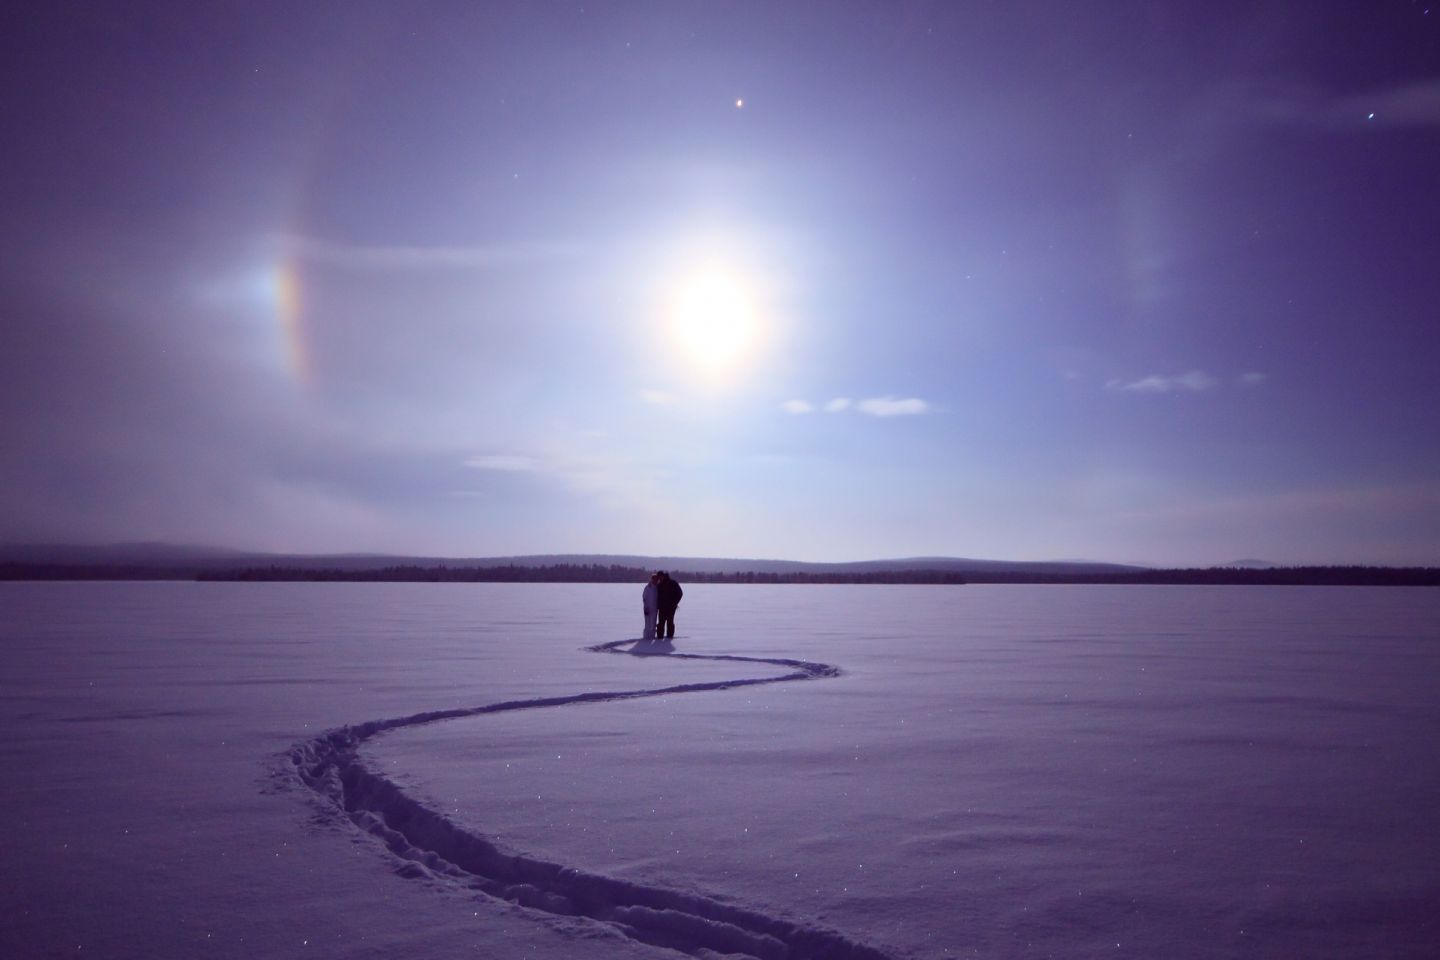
x=1130, y=282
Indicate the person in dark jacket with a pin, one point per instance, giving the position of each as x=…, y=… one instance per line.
x=669, y=599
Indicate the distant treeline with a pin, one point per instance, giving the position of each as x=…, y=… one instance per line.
x=1346, y=576
x=614, y=573
x=79, y=571
x=566, y=573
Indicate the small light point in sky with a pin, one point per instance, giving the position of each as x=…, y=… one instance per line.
x=1371, y=117
x=739, y=102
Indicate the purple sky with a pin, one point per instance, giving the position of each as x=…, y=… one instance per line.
x=1150, y=281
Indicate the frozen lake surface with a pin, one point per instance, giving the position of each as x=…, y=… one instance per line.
x=997, y=771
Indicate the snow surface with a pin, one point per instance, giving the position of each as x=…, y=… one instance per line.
x=995, y=771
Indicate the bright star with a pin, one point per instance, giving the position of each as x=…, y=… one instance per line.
x=739, y=104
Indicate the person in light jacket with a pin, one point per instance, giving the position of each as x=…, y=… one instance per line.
x=649, y=598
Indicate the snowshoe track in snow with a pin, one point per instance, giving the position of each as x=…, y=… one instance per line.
x=693, y=924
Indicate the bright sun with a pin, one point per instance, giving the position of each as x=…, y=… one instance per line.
x=714, y=318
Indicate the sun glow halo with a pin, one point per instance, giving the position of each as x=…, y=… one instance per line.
x=714, y=318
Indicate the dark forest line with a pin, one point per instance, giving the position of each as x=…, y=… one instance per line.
x=569, y=573
x=615, y=573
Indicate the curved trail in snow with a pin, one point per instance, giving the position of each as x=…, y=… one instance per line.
x=691, y=923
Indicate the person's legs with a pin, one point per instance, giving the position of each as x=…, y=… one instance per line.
x=649, y=626
x=666, y=627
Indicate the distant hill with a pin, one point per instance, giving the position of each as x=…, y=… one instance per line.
x=160, y=561
x=751, y=565
x=178, y=558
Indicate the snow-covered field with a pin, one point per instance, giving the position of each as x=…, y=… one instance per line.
x=996, y=771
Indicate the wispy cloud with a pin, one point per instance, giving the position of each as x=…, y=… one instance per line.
x=1320, y=504
x=892, y=406
x=658, y=398
x=1196, y=381
x=507, y=462
x=1402, y=105
x=610, y=475
x=401, y=257
x=1407, y=105
x=1252, y=379
x=874, y=406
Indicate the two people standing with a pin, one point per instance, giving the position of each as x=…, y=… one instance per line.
x=660, y=598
